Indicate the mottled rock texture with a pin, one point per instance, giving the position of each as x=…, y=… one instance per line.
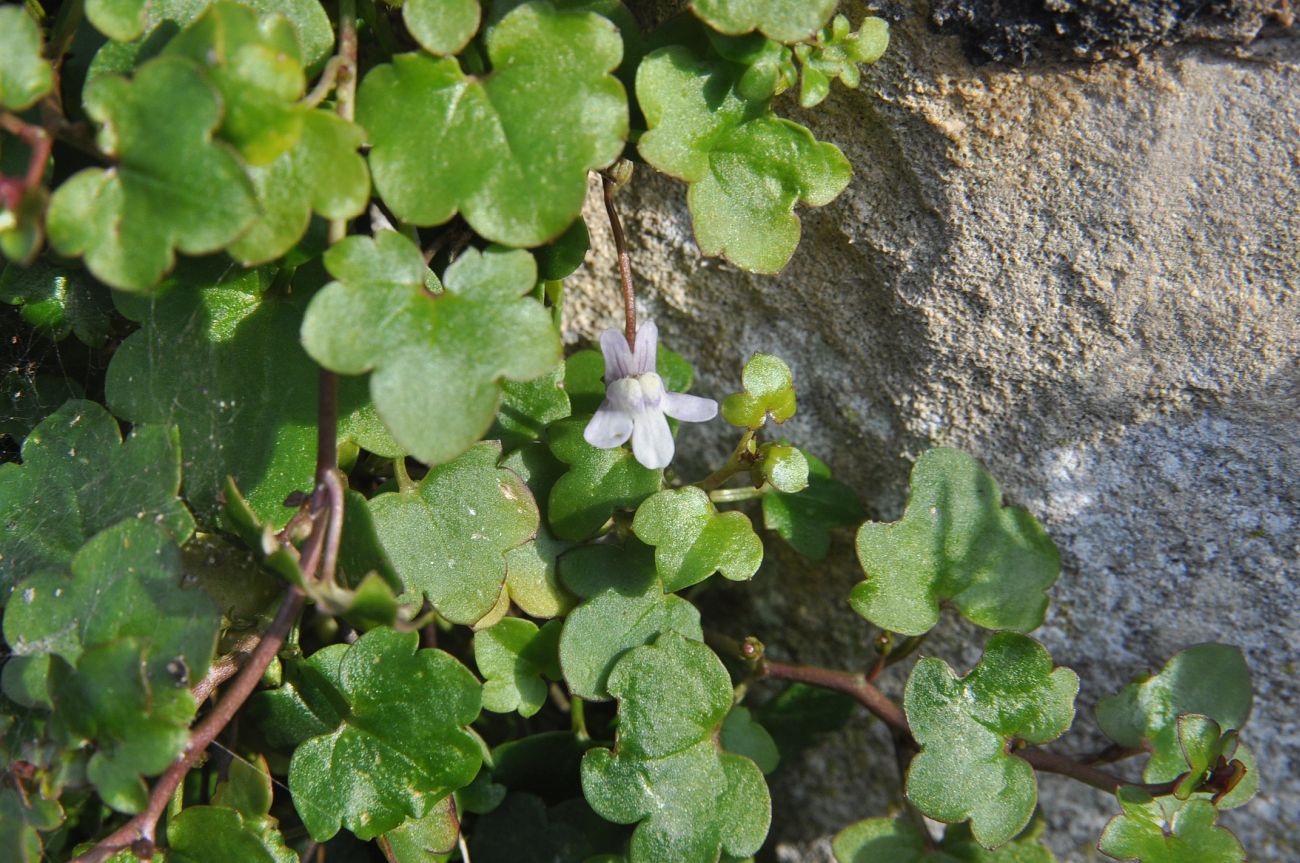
x=1087, y=276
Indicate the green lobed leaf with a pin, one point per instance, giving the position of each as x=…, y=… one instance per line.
x=1166, y=830
x=836, y=54
x=624, y=606
x=172, y=186
x=769, y=66
x=955, y=543
x=693, y=540
x=769, y=392
x=545, y=764
x=79, y=477
x=247, y=787
x=306, y=705
x=692, y=801
x=122, y=20
x=805, y=519
x=424, y=840
x=134, y=725
x=57, y=300
x=516, y=659
x=24, y=74
x=437, y=359
x=442, y=27
x=447, y=538
x=965, y=724
x=598, y=482
x=746, y=167
x=532, y=576
x=1208, y=679
x=898, y=840
x=126, y=582
x=783, y=20
x=218, y=354
x=511, y=150
x=216, y=834
x=22, y=820
x=401, y=746
x=528, y=407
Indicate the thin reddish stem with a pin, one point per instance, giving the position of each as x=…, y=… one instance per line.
x=624, y=261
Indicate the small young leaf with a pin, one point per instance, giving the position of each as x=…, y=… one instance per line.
x=1166, y=830
x=216, y=834
x=77, y=478
x=625, y=606
x=218, y=354
x=1212, y=680
x=448, y=537
x=172, y=187
x=742, y=194
x=510, y=150
x=836, y=54
x=126, y=582
x=783, y=467
x=528, y=407
x=122, y=20
x=599, y=481
x=437, y=360
x=24, y=74
x=805, y=519
x=57, y=300
x=782, y=20
x=402, y=746
x=247, y=788
x=957, y=543
x=532, y=576
x=418, y=840
x=742, y=735
x=516, y=658
x=769, y=391
x=964, y=725
x=692, y=801
x=693, y=540
x=442, y=27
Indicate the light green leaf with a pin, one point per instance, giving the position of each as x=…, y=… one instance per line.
x=965, y=724
x=246, y=788
x=218, y=354
x=805, y=519
x=58, y=300
x=516, y=659
x=692, y=801
x=1212, y=680
x=437, y=359
x=172, y=187
x=216, y=834
x=24, y=74
x=122, y=20
x=532, y=576
x=598, y=482
x=77, y=478
x=769, y=392
x=956, y=543
x=510, y=151
x=746, y=167
x=424, y=840
x=836, y=54
x=693, y=540
x=442, y=26
x=782, y=20
x=1168, y=831
x=448, y=537
x=402, y=745
x=742, y=735
x=783, y=467
x=126, y=582
x=625, y=606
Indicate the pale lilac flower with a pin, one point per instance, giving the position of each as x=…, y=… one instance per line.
x=636, y=402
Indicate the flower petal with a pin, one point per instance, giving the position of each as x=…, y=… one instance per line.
x=647, y=344
x=609, y=428
x=692, y=409
x=652, y=442
x=619, y=361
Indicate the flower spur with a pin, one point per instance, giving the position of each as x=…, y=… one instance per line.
x=636, y=404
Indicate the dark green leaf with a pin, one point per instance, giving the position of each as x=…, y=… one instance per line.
x=522, y=831
x=58, y=300
x=742, y=735
x=437, y=360
x=77, y=478
x=402, y=745
x=693, y=540
x=561, y=257
x=800, y=714
x=448, y=536
x=510, y=150
x=599, y=481
x=24, y=818
x=957, y=543
x=806, y=519
x=527, y=408
x=965, y=724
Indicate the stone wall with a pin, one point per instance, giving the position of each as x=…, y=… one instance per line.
x=1084, y=274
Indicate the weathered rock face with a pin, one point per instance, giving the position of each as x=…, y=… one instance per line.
x=1085, y=275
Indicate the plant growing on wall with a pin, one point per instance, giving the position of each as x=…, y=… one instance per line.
x=317, y=545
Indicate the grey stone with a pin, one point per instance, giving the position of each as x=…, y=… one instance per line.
x=1085, y=275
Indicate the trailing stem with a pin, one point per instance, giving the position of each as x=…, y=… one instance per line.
x=610, y=187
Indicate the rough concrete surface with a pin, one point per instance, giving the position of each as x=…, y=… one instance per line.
x=1087, y=276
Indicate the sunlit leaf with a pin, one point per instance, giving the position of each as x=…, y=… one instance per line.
x=693, y=540
x=769, y=392
x=805, y=519
x=783, y=20
x=598, y=482
x=24, y=74
x=442, y=26
x=516, y=659
x=1167, y=830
